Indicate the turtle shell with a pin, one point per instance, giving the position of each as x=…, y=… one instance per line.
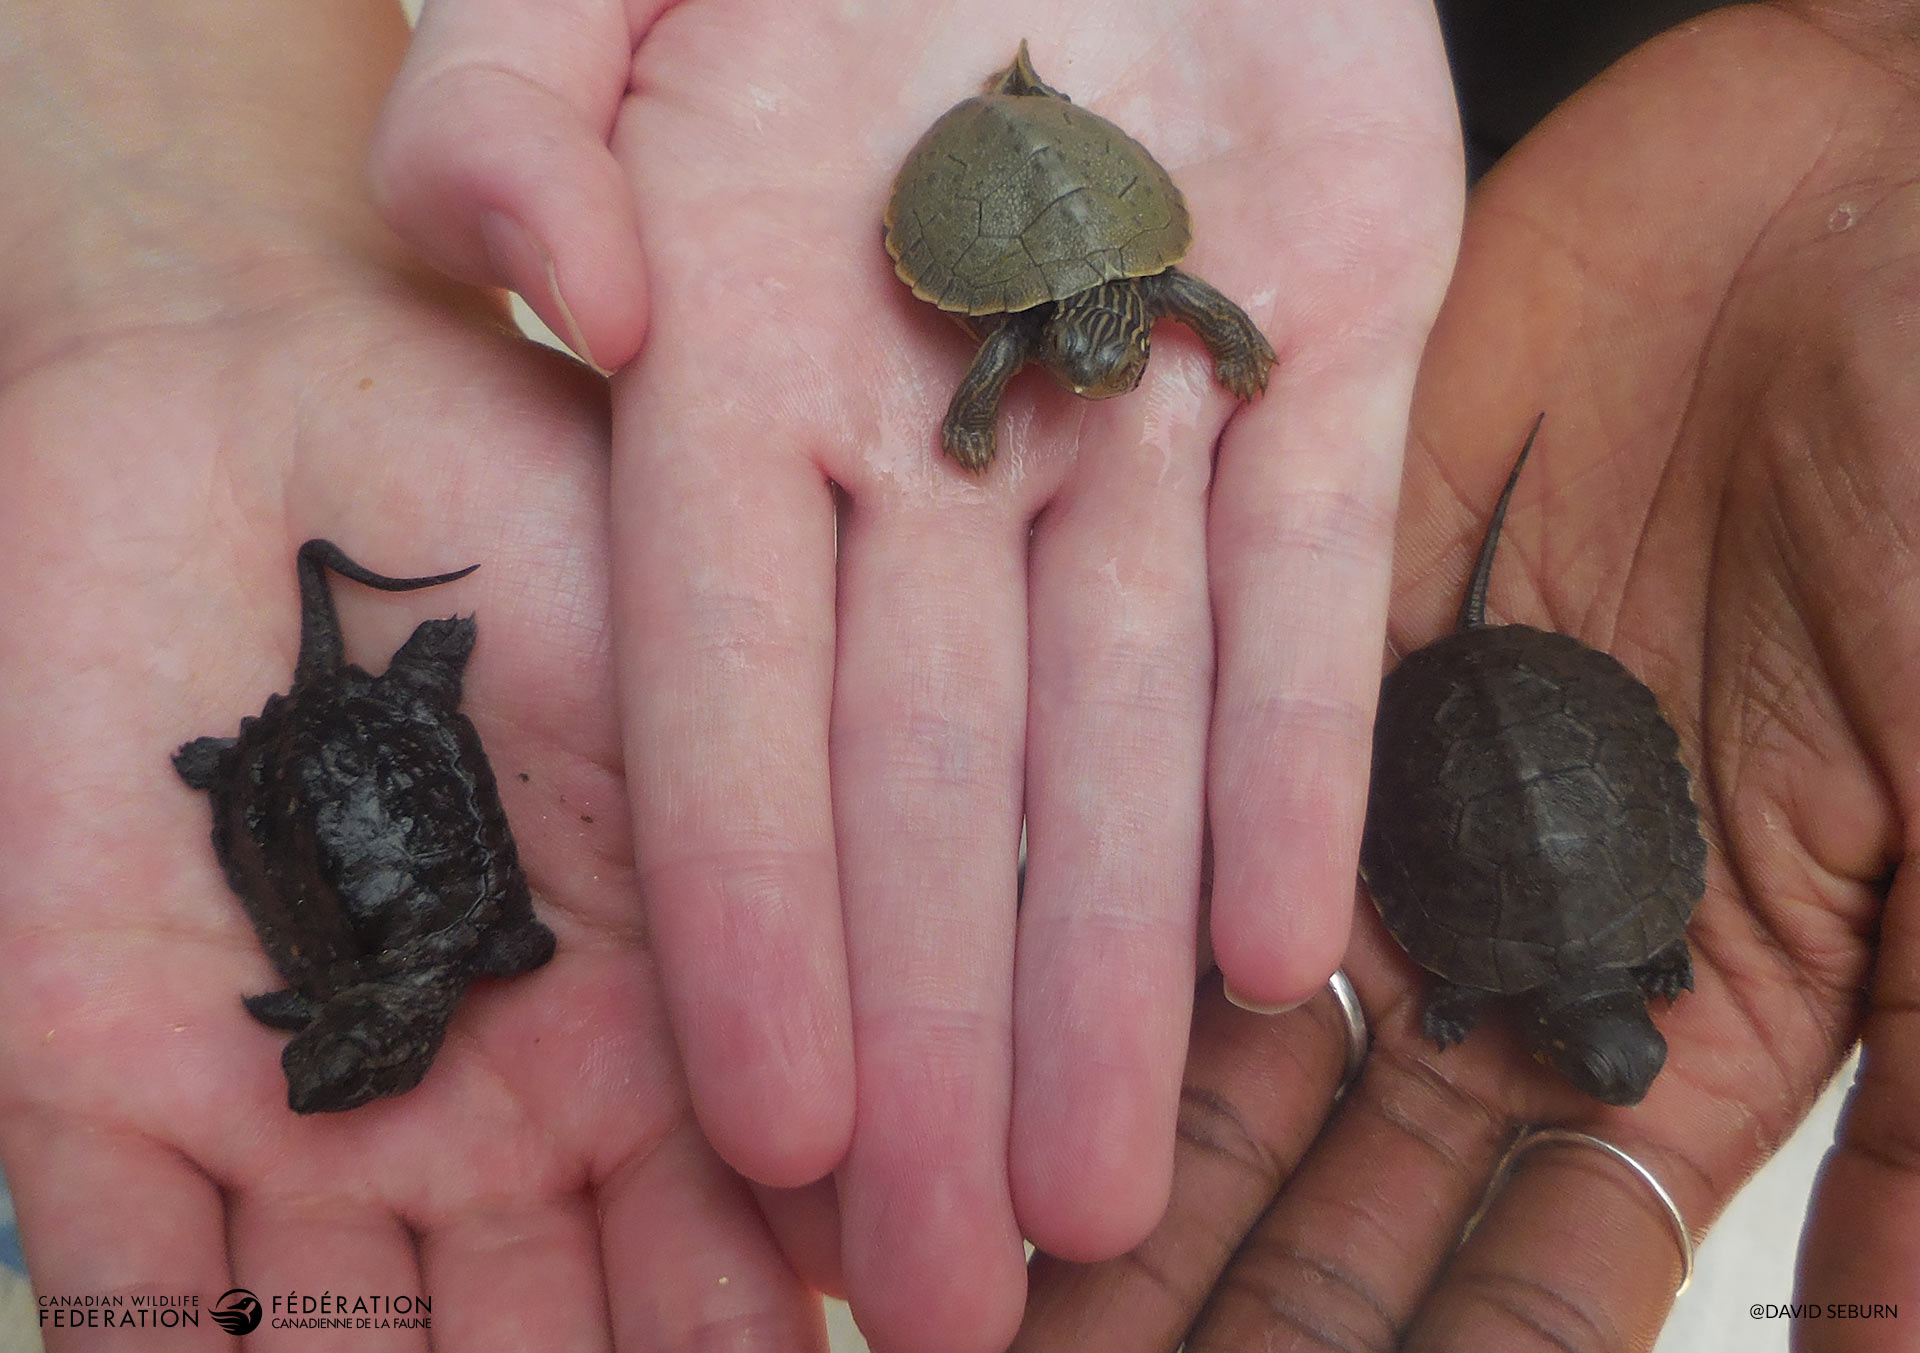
x=1013, y=200
x=1529, y=815
x=359, y=823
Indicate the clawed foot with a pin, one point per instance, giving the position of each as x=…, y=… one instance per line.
x=198, y=762
x=286, y=1009
x=1244, y=374
x=973, y=447
x=1241, y=354
x=1450, y=1013
x=1667, y=973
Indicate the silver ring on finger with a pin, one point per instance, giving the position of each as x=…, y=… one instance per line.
x=1355, y=1019
x=1531, y=1138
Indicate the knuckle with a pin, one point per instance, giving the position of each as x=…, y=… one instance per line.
x=1276, y=1284
x=1514, y=1311
x=1456, y=1126
x=743, y=885
x=1212, y=1124
x=1326, y=527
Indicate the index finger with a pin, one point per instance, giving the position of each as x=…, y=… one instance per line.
x=724, y=578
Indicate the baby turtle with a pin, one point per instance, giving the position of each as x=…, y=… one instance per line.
x=1051, y=235
x=359, y=823
x=1530, y=836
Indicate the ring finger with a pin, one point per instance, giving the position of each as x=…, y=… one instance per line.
x=926, y=756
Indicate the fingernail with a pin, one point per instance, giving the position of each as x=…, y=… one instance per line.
x=518, y=257
x=1254, y=1007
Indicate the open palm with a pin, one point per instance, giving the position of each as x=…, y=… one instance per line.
x=155, y=481
x=859, y=667
x=1703, y=269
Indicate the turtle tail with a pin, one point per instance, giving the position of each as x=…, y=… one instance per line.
x=1021, y=78
x=1473, y=611
x=321, y=648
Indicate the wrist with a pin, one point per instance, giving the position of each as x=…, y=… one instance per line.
x=166, y=162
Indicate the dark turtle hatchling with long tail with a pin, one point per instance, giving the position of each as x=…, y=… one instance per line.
x=1530, y=838
x=1051, y=235
x=359, y=822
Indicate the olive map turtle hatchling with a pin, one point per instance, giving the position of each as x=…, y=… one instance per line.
x=358, y=821
x=1530, y=836
x=1051, y=235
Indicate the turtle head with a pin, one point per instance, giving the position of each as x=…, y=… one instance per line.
x=1603, y=1043
x=372, y=1039
x=1096, y=342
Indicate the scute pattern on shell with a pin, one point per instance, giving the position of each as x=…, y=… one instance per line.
x=1542, y=823
x=1011, y=201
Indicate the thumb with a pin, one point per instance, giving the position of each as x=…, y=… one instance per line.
x=491, y=158
x=1859, y=1248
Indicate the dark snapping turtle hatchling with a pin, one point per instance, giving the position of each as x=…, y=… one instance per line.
x=1051, y=235
x=358, y=820
x=1530, y=836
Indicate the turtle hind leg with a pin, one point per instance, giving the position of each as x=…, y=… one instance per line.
x=510, y=951
x=1667, y=973
x=199, y=761
x=967, y=432
x=434, y=658
x=1451, y=1012
x=1241, y=354
x=321, y=648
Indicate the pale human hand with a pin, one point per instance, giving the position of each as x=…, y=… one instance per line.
x=847, y=669
x=211, y=351
x=1703, y=268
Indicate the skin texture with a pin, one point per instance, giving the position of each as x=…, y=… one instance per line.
x=1719, y=325
x=847, y=668
x=211, y=350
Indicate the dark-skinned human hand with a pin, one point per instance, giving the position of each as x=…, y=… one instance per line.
x=854, y=667
x=1705, y=268
x=212, y=350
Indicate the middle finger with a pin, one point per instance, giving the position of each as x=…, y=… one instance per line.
x=1122, y=664
x=926, y=756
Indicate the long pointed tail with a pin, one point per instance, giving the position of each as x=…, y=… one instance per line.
x=321, y=648
x=1473, y=611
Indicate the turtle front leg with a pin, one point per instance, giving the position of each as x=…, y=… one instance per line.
x=1667, y=973
x=286, y=1009
x=1241, y=354
x=1451, y=1012
x=967, y=432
